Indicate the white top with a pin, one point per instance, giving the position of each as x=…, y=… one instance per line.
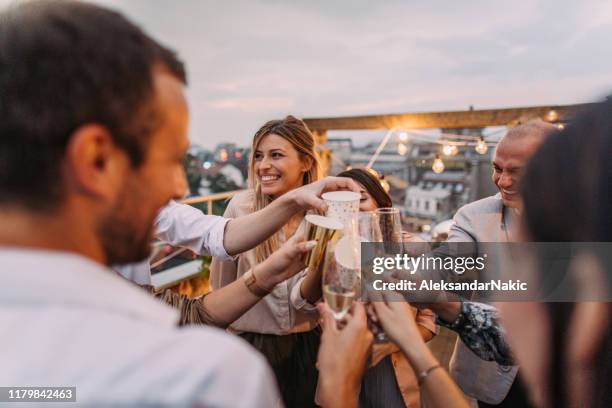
x=68, y=321
x=186, y=226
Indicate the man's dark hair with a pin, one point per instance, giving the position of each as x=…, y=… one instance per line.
x=64, y=64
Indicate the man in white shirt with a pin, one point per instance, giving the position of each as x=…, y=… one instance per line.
x=92, y=136
x=185, y=226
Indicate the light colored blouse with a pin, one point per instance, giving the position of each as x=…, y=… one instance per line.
x=284, y=310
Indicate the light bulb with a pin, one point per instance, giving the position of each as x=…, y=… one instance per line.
x=403, y=137
x=481, y=146
x=438, y=165
x=402, y=149
x=560, y=126
x=552, y=115
x=449, y=149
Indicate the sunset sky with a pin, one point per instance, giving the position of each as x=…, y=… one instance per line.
x=251, y=61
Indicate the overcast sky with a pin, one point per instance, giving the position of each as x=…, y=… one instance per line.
x=251, y=61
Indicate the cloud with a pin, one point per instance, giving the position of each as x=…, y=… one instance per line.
x=251, y=61
x=252, y=104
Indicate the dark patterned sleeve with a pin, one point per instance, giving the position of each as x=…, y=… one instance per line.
x=192, y=311
x=478, y=327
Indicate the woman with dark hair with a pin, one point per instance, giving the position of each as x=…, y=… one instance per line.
x=373, y=195
x=567, y=353
x=390, y=381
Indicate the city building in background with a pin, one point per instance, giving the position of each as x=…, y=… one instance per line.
x=425, y=194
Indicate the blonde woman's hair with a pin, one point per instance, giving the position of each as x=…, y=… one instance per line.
x=297, y=133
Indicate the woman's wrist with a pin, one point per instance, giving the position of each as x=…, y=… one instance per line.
x=418, y=354
x=263, y=278
x=333, y=392
x=310, y=289
x=289, y=202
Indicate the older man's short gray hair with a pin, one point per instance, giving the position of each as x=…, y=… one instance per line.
x=536, y=129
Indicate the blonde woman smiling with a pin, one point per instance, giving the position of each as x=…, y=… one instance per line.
x=283, y=325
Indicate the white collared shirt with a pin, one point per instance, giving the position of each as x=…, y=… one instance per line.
x=68, y=321
x=185, y=226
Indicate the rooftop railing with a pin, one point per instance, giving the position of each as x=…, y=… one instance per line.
x=210, y=199
x=189, y=282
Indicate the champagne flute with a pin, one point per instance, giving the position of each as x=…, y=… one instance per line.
x=370, y=237
x=390, y=225
x=369, y=227
x=340, y=275
x=370, y=232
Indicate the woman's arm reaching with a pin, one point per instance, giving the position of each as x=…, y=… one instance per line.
x=398, y=322
x=224, y=305
x=246, y=232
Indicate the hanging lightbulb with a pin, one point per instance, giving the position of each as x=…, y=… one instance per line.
x=438, y=165
x=560, y=126
x=402, y=149
x=449, y=149
x=403, y=137
x=481, y=146
x=552, y=115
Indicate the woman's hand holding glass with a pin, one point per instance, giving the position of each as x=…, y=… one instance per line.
x=341, y=275
x=397, y=318
x=342, y=356
x=285, y=262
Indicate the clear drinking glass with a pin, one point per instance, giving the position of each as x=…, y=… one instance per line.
x=390, y=224
x=341, y=278
x=390, y=234
x=369, y=227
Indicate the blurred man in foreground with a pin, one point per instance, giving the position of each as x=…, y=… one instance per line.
x=92, y=139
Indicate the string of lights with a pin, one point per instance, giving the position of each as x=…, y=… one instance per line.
x=449, y=142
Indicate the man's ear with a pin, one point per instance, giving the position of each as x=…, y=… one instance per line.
x=94, y=165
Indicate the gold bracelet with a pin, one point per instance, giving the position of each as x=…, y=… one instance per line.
x=423, y=375
x=251, y=283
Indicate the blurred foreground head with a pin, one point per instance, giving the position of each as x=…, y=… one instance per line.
x=93, y=130
x=565, y=349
